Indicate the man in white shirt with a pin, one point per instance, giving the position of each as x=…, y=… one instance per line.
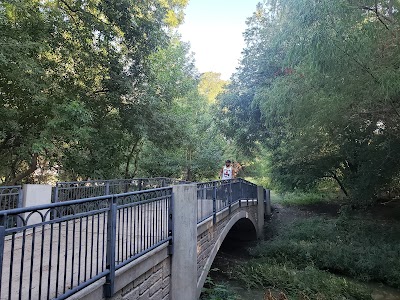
x=227, y=171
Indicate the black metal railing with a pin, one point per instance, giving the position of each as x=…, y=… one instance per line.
x=10, y=197
x=63, y=247
x=215, y=196
x=65, y=191
x=57, y=249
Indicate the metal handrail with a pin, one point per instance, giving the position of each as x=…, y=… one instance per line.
x=63, y=247
x=65, y=191
x=215, y=196
x=60, y=248
x=10, y=197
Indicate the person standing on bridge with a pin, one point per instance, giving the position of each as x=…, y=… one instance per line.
x=227, y=171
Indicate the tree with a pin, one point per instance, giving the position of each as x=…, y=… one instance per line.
x=319, y=80
x=211, y=85
x=74, y=78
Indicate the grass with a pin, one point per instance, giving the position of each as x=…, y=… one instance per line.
x=367, y=250
x=323, y=257
x=303, y=258
x=217, y=291
x=302, y=198
x=299, y=283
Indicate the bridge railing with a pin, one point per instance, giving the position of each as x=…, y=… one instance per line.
x=11, y=197
x=63, y=247
x=72, y=190
x=215, y=196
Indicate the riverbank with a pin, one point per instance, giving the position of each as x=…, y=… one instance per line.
x=312, y=252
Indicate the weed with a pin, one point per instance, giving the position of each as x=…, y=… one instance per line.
x=296, y=283
x=214, y=291
x=301, y=198
x=364, y=249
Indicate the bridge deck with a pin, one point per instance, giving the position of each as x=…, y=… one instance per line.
x=58, y=256
x=54, y=258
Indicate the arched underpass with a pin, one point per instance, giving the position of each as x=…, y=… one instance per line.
x=229, y=229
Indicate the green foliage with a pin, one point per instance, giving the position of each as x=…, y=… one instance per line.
x=87, y=90
x=318, y=86
x=363, y=249
x=213, y=291
x=307, y=283
x=211, y=85
x=303, y=198
x=70, y=74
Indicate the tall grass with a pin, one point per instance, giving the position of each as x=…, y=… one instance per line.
x=303, y=198
x=217, y=291
x=299, y=283
x=368, y=250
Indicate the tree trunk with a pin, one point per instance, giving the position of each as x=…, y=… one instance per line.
x=129, y=158
x=334, y=176
x=32, y=168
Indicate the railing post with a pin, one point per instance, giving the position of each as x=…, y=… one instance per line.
x=260, y=211
x=110, y=255
x=230, y=196
x=140, y=185
x=184, y=259
x=240, y=192
x=20, y=204
x=107, y=188
x=214, y=198
x=2, y=237
x=36, y=194
x=55, y=196
x=267, y=202
x=171, y=225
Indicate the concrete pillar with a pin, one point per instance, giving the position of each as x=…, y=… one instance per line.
x=268, y=210
x=36, y=194
x=260, y=212
x=184, y=257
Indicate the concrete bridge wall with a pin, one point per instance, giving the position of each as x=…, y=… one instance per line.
x=210, y=236
x=179, y=272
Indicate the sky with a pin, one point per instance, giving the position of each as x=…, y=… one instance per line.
x=214, y=29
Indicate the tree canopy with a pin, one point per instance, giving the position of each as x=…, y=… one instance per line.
x=319, y=88
x=86, y=85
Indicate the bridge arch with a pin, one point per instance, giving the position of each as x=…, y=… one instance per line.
x=211, y=236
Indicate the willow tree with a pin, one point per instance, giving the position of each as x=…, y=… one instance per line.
x=324, y=77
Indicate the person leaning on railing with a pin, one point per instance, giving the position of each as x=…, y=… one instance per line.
x=227, y=172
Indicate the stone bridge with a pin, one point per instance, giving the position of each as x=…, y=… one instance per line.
x=243, y=222
x=203, y=215
x=179, y=272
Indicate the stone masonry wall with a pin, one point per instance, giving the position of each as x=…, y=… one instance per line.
x=152, y=285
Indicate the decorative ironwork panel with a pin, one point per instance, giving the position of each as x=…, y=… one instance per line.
x=10, y=197
x=65, y=191
x=58, y=249
x=215, y=196
x=142, y=223
x=63, y=247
